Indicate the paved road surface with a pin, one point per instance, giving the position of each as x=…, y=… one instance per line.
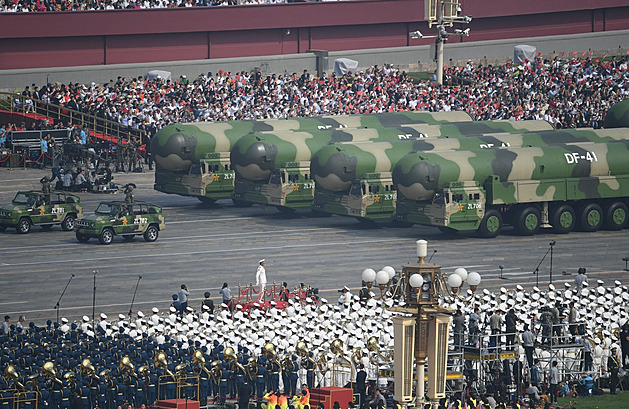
x=205, y=246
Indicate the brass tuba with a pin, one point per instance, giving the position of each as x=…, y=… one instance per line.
x=126, y=367
x=269, y=352
x=302, y=351
x=337, y=349
x=10, y=373
x=230, y=356
x=199, y=360
x=373, y=345
x=161, y=361
x=87, y=368
x=49, y=372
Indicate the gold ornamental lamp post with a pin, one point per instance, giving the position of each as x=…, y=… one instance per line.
x=422, y=325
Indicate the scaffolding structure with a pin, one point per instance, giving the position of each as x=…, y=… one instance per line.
x=490, y=361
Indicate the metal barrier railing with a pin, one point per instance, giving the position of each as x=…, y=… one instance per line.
x=111, y=130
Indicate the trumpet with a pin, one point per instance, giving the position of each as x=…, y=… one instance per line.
x=357, y=355
x=33, y=382
x=105, y=373
x=321, y=362
x=70, y=377
x=216, y=369
x=144, y=372
x=252, y=368
x=180, y=371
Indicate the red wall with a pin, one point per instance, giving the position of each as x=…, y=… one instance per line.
x=136, y=36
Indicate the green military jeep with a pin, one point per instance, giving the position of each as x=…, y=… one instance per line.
x=36, y=208
x=121, y=218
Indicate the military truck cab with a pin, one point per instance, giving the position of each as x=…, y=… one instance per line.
x=290, y=186
x=211, y=178
x=371, y=198
x=459, y=206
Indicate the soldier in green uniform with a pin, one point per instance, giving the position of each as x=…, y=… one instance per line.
x=45, y=188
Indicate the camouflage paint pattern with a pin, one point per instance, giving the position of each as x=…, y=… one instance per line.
x=138, y=217
x=456, y=188
x=286, y=154
x=617, y=116
x=176, y=147
x=337, y=168
x=39, y=209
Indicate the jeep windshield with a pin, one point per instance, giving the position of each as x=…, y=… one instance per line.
x=25, y=198
x=111, y=209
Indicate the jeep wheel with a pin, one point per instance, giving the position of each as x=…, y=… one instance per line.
x=3, y=228
x=151, y=233
x=83, y=238
x=106, y=236
x=68, y=223
x=23, y=226
x=46, y=227
x=129, y=237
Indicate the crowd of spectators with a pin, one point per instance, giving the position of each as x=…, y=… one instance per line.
x=573, y=92
x=31, y=6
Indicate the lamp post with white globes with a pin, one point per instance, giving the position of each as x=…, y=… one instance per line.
x=421, y=329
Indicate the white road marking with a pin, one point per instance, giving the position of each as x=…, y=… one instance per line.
x=221, y=251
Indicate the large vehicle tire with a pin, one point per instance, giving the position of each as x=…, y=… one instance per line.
x=68, y=223
x=206, y=200
x=527, y=221
x=616, y=216
x=319, y=213
x=491, y=224
x=46, y=227
x=447, y=230
x=241, y=203
x=83, y=238
x=563, y=219
x=590, y=217
x=106, y=236
x=23, y=226
x=151, y=233
x=3, y=228
x=285, y=210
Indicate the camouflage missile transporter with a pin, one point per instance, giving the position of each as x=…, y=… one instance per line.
x=41, y=208
x=128, y=218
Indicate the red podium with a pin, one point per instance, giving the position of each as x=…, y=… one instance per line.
x=330, y=394
x=177, y=404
